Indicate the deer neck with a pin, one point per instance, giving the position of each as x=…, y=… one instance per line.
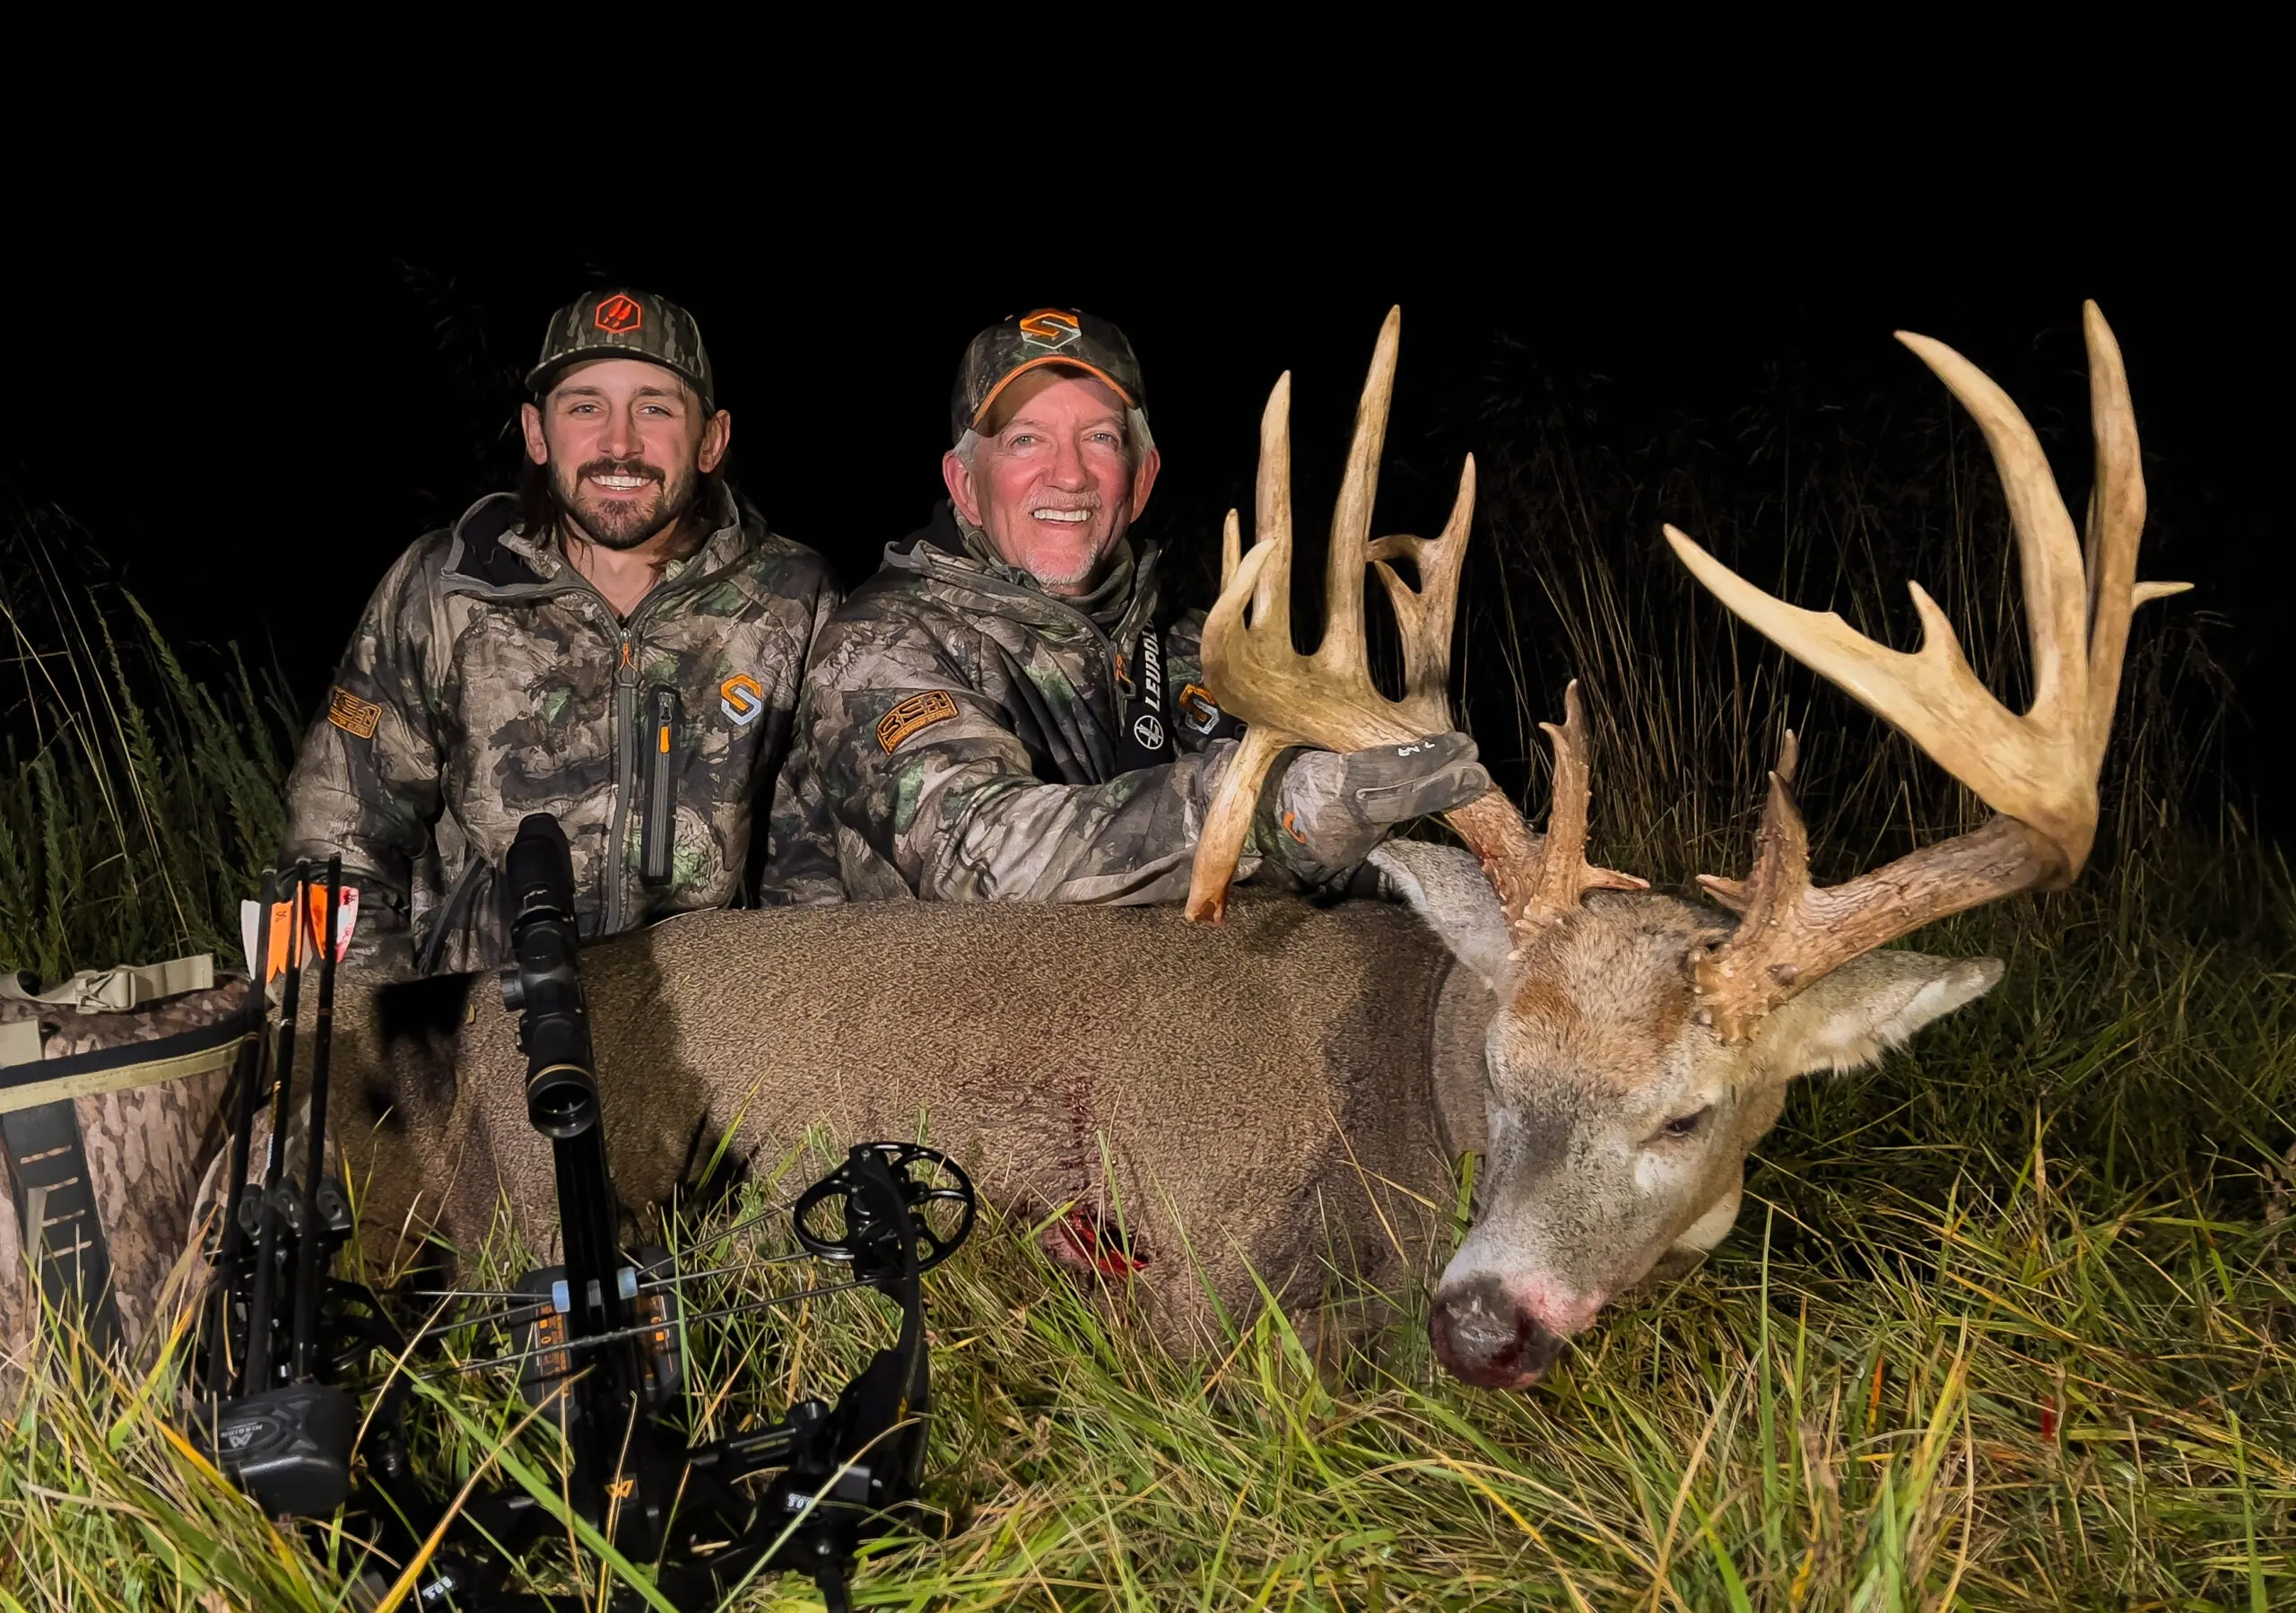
x=1459, y=1080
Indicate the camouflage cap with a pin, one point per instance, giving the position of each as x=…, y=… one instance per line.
x=1013, y=346
x=625, y=325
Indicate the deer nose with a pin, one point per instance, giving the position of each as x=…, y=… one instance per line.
x=1485, y=1339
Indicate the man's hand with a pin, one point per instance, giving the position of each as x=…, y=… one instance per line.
x=1331, y=807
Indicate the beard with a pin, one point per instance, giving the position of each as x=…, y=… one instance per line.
x=623, y=524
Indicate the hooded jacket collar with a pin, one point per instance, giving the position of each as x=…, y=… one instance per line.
x=949, y=549
x=490, y=549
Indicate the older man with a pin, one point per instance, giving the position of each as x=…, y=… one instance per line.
x=621, y=643
x=999, y=712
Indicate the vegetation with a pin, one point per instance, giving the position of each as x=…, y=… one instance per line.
x=2007, y=1321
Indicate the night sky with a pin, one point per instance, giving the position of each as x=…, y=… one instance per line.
x=254, y=402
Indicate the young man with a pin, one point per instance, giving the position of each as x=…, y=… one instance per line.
x=999, y=713
x=620, y=643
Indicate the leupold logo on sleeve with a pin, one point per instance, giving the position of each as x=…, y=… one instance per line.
x=740, y=697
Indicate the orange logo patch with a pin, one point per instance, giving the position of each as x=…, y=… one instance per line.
x=740, y=697
x=618, y=315
x=1050, y=328
x=353, y=715
x=913, y=715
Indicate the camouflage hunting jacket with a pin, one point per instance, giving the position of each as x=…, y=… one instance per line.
x=487, y=680
x=959, y=738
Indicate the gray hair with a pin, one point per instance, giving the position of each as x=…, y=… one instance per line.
x=1138, y=440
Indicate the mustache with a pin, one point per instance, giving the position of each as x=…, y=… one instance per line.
x=621, y=467
x=1089, y=499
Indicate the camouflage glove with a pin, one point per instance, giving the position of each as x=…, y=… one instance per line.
x=1331, y=807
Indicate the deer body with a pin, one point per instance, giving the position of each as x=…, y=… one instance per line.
x=1165, y=1079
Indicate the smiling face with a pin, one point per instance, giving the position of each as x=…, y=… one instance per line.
x=1049, y=479
x=626, y=444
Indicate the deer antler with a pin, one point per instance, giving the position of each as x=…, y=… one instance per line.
x=2037, y=771
x=1328, y=699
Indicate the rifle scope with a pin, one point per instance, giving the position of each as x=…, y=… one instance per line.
x=542, y=986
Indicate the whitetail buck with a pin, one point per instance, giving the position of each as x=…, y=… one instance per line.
x=1642, y=1045
x=1192, y=1104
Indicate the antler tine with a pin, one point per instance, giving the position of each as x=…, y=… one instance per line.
x=2037, y=771
x=1272, y=517
x=1781, y=835
x=1424, y=615
x=1341, y=655
x=2047, y=554
x=1564, y=875
x=2117, y=504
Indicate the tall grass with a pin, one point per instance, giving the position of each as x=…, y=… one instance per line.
x=2005, y=1322
x=136, y=799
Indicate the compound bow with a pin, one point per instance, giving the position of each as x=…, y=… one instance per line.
x=284, y=1343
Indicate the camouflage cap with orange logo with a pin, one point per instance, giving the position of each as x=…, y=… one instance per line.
x=625, y=325
x=1012, y=348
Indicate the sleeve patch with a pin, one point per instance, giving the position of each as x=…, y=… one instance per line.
x=913, y=716
x=353, y=715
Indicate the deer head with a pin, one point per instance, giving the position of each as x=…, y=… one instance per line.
x=1639, y=1045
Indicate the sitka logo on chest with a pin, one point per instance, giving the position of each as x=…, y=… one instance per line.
x=742, y=698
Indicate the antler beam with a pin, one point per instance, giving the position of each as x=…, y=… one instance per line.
x=2038, y=772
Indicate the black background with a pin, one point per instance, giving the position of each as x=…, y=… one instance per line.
x=253, y=397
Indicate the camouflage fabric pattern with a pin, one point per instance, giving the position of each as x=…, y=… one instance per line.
x=487, y=680
x=625, y=325
x=956, y=742
x=146, y=1146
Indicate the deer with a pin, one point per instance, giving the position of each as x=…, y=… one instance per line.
x=1197, y=1107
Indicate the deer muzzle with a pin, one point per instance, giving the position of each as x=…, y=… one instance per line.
x=1486, y=1340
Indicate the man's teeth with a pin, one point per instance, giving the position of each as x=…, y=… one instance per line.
x=1070, y=515
x=620, y=484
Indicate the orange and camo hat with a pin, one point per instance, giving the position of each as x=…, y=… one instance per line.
x=1013, y=346
x=625, y=325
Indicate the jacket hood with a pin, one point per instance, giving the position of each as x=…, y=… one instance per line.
x=940, y=550
x=488, y=547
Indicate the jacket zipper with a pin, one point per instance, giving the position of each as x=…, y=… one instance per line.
x=620, y=751
x=655, y=863
x=625, y=724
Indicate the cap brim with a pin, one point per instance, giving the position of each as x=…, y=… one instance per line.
x=1017, y=370
x=540, y=379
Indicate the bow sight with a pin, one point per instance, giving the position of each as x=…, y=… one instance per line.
x=287, y=1351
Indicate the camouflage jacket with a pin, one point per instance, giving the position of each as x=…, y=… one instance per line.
x=487, y=680
x=958, y=739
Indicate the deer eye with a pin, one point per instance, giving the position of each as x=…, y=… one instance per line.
x=1686, y=1125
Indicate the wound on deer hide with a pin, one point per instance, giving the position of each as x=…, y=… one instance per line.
x=1081, y=1240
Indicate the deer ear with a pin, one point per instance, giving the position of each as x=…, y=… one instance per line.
x=1446, y=887
x=1867, y=1006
